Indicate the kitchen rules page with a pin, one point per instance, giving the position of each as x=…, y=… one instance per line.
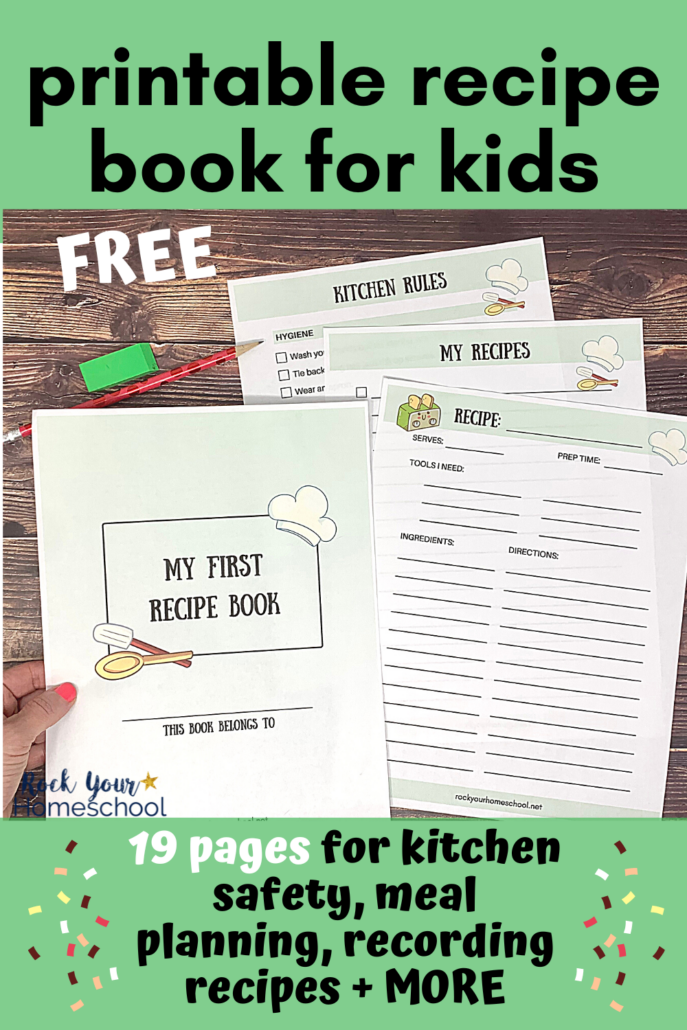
x=203, y=573
x=531, y=590
x=493, y=284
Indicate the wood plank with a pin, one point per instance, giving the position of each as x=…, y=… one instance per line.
x=623, y=263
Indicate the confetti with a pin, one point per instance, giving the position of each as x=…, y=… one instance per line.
x=621, y=979
x=84, y=901
x=620, y=846
x=578, y=974
x=590, y=922
x=610, y=940
x=628, y=898
x=71, y=948
x=607, y=902
x=601, y=873
x=82, y=941
x=89, y=873
x=97, y=984
x=63, y=926
x=628, y=926
x=616, y=1006
x=631, y=872
x=70, y=847
x=600, y=952
x=657, y=910
x=63, y=898
x=94, y=951
x=59, y=871
x=113, y=973
x=72, y=978
x=33, y=953
x=621, y=950
x=661, y=951
x=76, y=1006
x=102, y=922
x=595, y=983
x=35, y=910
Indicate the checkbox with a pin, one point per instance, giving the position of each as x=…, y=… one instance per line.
x=361, y=391
x=281, y=357
x=286, y=391
x=283, y=374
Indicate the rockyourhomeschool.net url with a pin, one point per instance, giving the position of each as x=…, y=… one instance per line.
x=497, y=801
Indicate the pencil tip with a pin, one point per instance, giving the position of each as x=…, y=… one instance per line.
x=242, y=348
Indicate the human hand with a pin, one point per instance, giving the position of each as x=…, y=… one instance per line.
x=28, y=710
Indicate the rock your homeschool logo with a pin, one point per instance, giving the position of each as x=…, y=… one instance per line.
x=39, y=797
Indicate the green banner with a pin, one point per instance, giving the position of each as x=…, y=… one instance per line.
x=312, y=922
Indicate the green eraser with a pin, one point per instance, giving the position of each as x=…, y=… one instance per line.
x=118, y=367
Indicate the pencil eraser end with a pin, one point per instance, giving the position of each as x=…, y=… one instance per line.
x=118, y=367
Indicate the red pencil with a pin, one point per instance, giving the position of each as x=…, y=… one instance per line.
x=167, y=376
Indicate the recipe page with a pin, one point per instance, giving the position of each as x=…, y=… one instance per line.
x=530, y=593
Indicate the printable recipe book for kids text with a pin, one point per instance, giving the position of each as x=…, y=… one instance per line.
x=530, y=590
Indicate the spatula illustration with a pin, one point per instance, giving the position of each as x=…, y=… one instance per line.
x=122, y=637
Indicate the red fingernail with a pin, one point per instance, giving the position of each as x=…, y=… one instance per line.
x=67, y=691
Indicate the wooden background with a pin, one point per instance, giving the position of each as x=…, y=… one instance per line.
x=602, y=264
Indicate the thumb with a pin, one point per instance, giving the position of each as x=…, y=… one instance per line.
x=38, y=714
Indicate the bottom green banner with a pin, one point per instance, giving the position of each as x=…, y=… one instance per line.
x=303, y=922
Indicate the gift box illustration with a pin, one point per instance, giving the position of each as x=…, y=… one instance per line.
x=418, y=413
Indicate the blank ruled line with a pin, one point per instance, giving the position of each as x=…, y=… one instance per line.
x=563, y=708
x=421, y=726
x=572, y=636
x=599, y=507
x=464, y=507
x=429, y=765
x=447, y=582
x=571, y=672
x=433, y=690
x=434, y=672
x=571, y=654
x=568, y=690
x=453, y=565
x=558, y=743
x=584, y=582
x=563, y=726
x=437, y=747
x=446, y=636
x=643, y=472
x=460, y=525
x=579, y=618
x=568, y=783
x=576, y=439
x=426, y=708
x=475, y=450
x=466, y=490
x=553, y=761
x=574, y=540
x=444, y=618
x=444, y=600
x=451, y=657
x=594, y=525
x=577, y=600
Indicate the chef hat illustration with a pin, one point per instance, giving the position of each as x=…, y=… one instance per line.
x=670, y=445
x=603, y=352
x=508, y=276
x=304, y=515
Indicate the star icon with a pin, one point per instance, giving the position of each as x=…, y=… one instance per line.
x=150, y=781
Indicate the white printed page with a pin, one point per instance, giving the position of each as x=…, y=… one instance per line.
x=508, y=281
x=203, y=572
x=531, y=571
x=588, y=361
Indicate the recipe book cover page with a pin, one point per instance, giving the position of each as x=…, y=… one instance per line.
x=344, y=479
